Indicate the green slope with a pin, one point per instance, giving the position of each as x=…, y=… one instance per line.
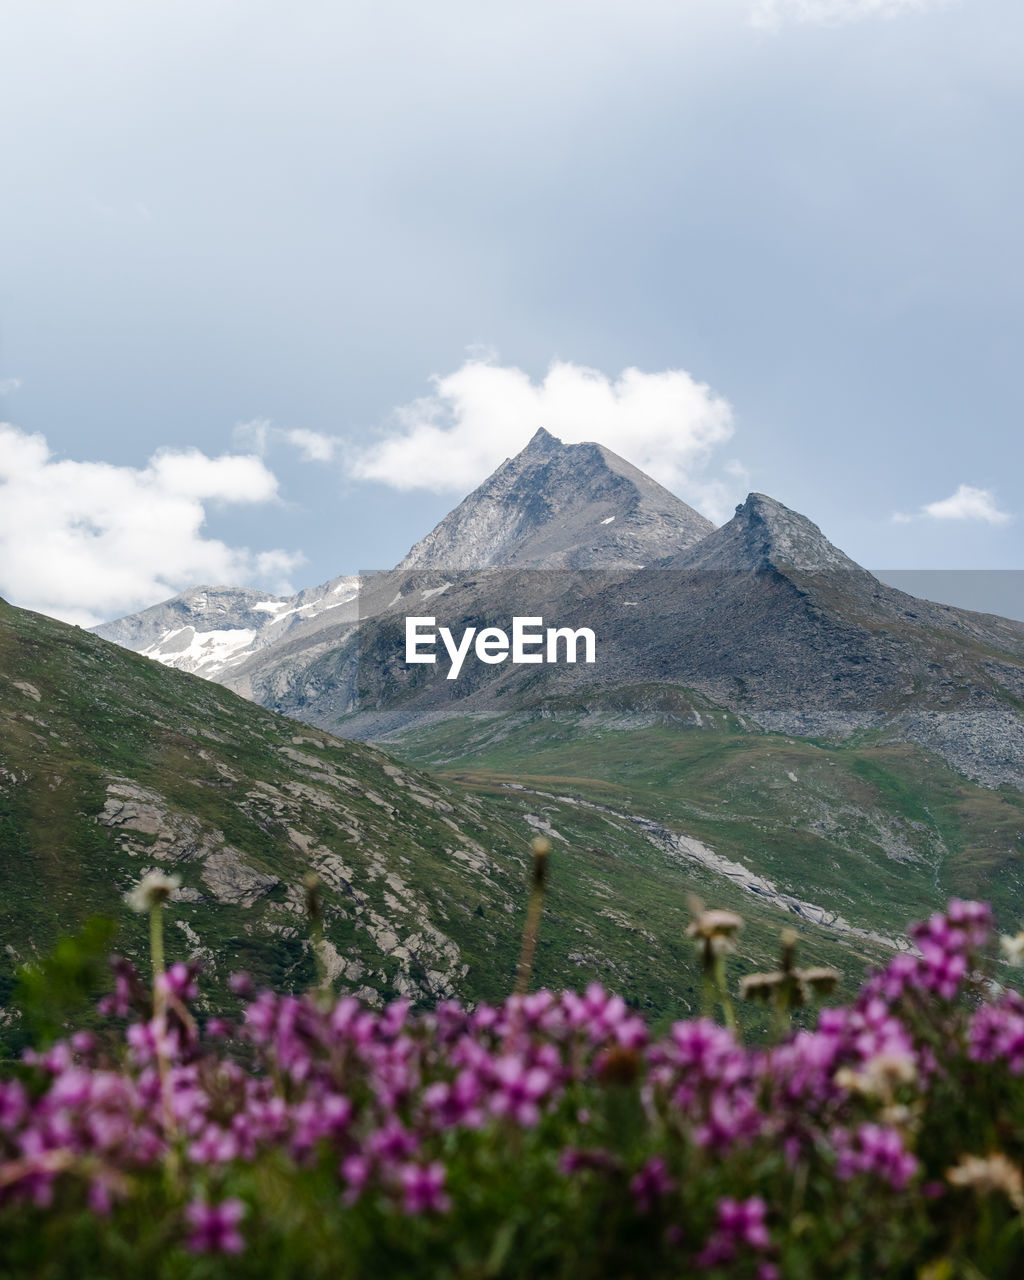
x=111, y=764
x=878, y=832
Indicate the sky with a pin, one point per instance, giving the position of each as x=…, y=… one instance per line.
x=280, y=284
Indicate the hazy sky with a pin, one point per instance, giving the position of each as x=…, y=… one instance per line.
x=281, y=283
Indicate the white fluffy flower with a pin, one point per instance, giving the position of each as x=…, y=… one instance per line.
x=153, y=890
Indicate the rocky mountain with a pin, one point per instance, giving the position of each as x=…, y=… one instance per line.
x=552, y=506
x=764, y=617
x=209, y=630
x=781, y=625
x=558, y=506
x=765, y=723
x=766, y=535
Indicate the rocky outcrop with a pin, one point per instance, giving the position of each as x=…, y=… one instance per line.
x=149, y=827
x=230, y=879
x=688, y=849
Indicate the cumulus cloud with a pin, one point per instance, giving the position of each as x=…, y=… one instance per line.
x=87, y=541
x=666, y=423
x=776, y=13
x=967, y=503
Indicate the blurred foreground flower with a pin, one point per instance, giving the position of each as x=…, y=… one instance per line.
x=789, y=987
x=1012, y=947
x=713, y=928
x=153, y=890
x=215, y=1226
x=986, y=1174
x=714, y=931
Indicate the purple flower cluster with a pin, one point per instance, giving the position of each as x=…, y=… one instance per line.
x=876, y=1150
x=997, y=1032
x=380, y=1097
x=740, y=1226
x=215, y=1226
x=945, y=942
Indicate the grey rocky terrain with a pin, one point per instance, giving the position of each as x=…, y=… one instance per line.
x=763, y=617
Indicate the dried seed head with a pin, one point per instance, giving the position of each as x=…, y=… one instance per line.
x=1012, y=947
x=311, y=885
x=715, y=924
x=619, y=1066
x=153, y=890
x=993, y=1172
x=822, y=981
x=761, y=986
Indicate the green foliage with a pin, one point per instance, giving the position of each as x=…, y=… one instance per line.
x=61, y=989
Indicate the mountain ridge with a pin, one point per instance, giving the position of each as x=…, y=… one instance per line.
x=764, y=616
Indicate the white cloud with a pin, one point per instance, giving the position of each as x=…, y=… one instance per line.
x=967, y=503
x=313, y=446
x=776, y=13
x=7, y=385
x=666, y=423
x=87, y=541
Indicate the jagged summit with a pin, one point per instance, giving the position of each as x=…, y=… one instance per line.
x=542, y=441
x=765, y=534
x=561, y=506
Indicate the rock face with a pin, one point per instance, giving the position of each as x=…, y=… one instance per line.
x=764, y=534
x=230, y=879
x=558, y=506
x=133, y=811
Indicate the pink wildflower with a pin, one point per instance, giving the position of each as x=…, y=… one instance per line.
x=215, y=1226
x=423, y=1188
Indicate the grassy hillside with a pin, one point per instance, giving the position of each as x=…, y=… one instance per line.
x=875, y=831
x=111, y=764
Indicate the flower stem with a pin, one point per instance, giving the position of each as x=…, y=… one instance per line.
x=163, y=1066
x=156, y=943
x=722, y=989
x=531, y=928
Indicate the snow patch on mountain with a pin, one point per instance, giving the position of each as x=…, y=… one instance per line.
x=210, y=630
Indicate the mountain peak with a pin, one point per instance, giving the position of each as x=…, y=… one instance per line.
x=561, y=506
x=542, y=439
x=766, y=534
